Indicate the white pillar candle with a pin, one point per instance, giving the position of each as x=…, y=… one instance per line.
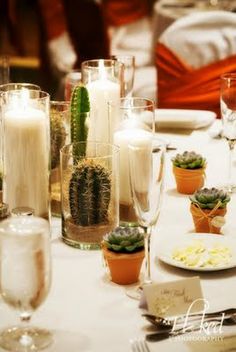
x=26, y=159
x=123, y=138
x=101, y=91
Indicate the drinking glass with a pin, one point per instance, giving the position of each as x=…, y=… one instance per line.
x=146, y=164
x=25, y=278
x=129, y=67
x=136, y=119
x=228, y=113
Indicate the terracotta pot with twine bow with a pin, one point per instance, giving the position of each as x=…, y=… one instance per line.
x=189, y=172
x=208, y=208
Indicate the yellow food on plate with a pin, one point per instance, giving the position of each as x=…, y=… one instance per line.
x=197, y=254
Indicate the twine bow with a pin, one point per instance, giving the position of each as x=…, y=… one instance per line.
x=200, y=214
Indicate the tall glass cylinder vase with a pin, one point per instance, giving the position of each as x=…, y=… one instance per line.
x=89, y=192
x=26, y=150
x=5, y=87
x=104, y=81
x=136, y=123
x=59, y=136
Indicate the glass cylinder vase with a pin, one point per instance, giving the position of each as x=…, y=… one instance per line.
x=5, y=87
x=26, y=150
x=59, y=137
x=136, y=123
x=104, y=81
x=89, y=193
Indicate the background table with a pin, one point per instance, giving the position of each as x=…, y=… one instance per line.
x=88, y=312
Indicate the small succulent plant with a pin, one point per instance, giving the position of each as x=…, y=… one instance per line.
x=89, y=193
x=208, y=198
x=189, y=160
x=124, y=240
x=58, y=136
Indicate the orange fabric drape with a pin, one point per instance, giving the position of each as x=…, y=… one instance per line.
x=120, y=12
x=182, y=87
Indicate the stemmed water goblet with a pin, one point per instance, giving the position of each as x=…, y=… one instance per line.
x=228, y=113
x=146, y=164
x=25, y=278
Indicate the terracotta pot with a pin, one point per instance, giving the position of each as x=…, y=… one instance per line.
x=202, y=219
x=188, y=181
x=124, y=268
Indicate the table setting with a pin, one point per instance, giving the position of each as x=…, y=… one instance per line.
x=90, y=182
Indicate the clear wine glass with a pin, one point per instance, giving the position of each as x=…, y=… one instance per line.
x=228, y=113
x=129, y=68
x=25, y=277
x=146, y=163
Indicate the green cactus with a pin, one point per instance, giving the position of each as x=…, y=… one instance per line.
x=58, y=136
x=189, y=160
x=80, y=107
x=125, y=240
x=208, y=198
x=89, y=193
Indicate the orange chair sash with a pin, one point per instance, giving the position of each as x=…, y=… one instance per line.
x=182, y=87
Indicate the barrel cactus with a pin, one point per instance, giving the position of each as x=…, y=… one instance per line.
x=80, y=107
x=189, y=160
x=208, y=198
x=58, y=136
x=124, y=240
x=89, y=193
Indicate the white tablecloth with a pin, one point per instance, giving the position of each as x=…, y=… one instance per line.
x=87, y=312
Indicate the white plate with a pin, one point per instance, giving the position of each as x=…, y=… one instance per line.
x=186, y=119
x=166, y=249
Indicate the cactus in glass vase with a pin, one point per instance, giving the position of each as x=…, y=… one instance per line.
x=89, y=193
x=58, y=137
x=90, y=183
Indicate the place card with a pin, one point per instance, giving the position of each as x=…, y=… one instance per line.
x=175, y=297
